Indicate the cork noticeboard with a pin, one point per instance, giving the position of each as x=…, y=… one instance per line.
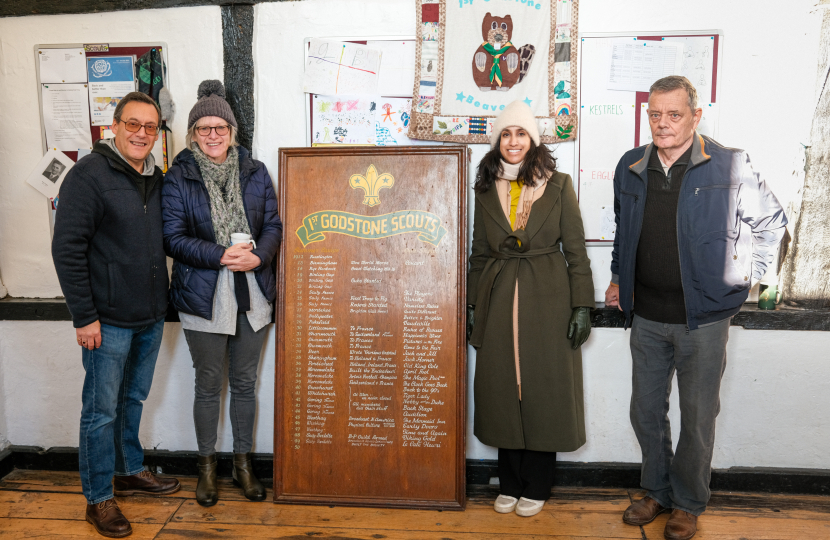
x=371, y=350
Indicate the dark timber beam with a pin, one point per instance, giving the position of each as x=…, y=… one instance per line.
x=22, y=8
x=238, y=37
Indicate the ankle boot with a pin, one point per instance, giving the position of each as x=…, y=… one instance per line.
x=243, y=476
x=206, y=491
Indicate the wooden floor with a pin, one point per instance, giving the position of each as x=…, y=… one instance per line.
x=39, y=504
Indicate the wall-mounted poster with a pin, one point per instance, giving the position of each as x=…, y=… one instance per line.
x=371, y=343
x=110, y=79
x=475, y=58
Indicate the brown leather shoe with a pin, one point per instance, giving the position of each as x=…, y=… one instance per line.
x=108, y=520
x=144, y=483
x=643, y=511
x=680, y=526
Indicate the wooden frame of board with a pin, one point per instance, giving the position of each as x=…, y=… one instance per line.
x=374, y=233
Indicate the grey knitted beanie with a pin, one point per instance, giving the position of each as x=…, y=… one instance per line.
x=211, y=102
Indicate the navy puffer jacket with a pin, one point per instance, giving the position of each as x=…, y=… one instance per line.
x=189, y=238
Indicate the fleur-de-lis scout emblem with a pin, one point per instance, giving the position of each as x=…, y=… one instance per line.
x=371, y=184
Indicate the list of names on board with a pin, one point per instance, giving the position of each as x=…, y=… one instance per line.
x=370, y=361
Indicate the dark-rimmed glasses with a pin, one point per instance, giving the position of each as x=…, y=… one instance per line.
x=204, y=131
x=133, y=126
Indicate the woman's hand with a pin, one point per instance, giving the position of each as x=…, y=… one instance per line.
x=580, y=326
x=471, y=320
x=239, y=258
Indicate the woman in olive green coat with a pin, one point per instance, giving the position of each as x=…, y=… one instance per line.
x=530, y=304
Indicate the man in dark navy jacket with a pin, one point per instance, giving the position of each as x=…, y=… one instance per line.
x=109, y=256
x=696, y=228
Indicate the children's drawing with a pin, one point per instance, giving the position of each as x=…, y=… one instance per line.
x=335, y=67
x=387, y=115
x=344, y=119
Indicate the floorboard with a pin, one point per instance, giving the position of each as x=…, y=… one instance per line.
x=42, y=504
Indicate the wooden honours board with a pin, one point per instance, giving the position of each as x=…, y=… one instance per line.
x=370, y=384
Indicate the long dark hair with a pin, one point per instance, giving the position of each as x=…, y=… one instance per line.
x=538, y=163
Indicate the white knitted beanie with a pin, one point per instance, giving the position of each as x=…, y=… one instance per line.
x=515, y=114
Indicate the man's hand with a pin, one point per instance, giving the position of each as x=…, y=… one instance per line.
x=612, y=296
x=89, y=336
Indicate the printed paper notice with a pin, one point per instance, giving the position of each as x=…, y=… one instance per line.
x=645, y=127
x=110, y=79
x=636, y=64
x=698, y=60
x=66, y=116
x=397, y=68
x=708, y=120
x=344, y=119
x=337, y=68
x=607, y=226
x=49, y=173
x=62, y=65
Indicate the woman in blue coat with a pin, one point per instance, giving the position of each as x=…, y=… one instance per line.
x=224, y=293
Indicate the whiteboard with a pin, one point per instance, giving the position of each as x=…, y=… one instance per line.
x=613, y=121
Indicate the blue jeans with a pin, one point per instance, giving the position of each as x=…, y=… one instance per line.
x=118, y=378
x=677, y=480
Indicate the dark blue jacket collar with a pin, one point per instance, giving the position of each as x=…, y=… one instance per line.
x=699, y=155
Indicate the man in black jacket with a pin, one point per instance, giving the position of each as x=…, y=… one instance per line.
x=110, y=261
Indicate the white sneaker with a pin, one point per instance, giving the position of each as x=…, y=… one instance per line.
x=505, y=504
x=529, y=507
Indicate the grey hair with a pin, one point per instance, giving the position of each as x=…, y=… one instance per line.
x=191, y=132
x=675, y=82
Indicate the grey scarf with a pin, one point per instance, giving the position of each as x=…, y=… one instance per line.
x=222, y=180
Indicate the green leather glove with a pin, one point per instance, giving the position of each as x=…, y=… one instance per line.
x=580, y=326
x=471, y=320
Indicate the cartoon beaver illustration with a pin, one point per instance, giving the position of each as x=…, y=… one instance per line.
x=498, y=64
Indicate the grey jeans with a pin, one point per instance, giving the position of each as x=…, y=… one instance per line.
x=659, y=350
x=208, y=352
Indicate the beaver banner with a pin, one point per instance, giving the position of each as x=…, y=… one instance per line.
x=371, y=351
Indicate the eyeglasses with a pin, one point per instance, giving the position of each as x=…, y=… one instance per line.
x=133, y=126
x=204, y=131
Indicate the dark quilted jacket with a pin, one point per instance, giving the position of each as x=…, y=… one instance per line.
x=107, y=245
x=188, y=231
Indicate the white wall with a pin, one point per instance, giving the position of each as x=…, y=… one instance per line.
x=43, y=390
x=194, y=39
x=775, y=404
x=774, y=396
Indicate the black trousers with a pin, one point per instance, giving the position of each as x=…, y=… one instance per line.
x=526, y=473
